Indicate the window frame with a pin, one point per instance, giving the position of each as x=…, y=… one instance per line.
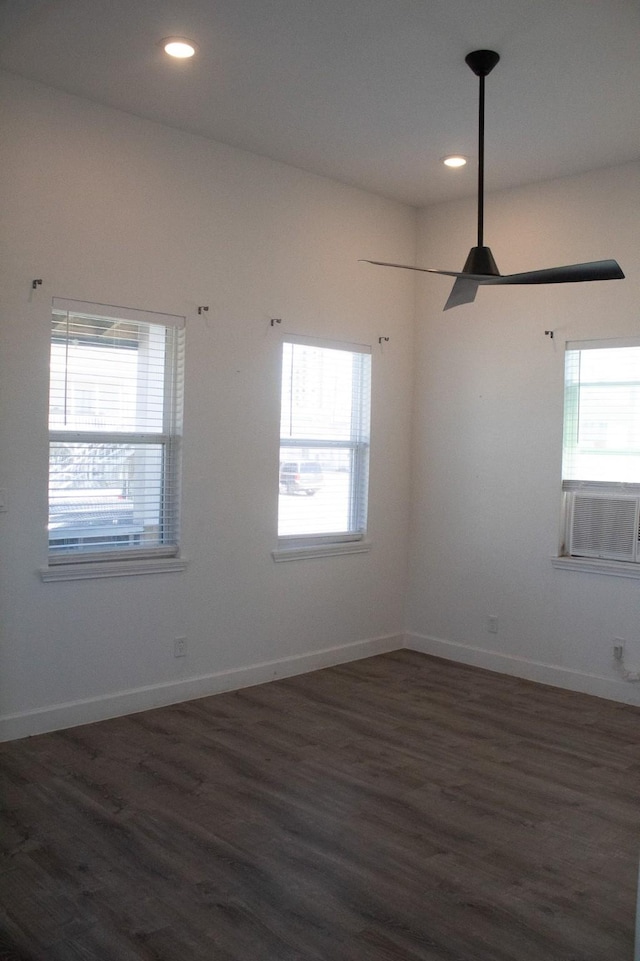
x=299, y=546
x=80, y=560
x=579, y=493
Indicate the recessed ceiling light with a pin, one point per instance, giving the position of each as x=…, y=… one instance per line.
x=179, y=47
x=454, y=161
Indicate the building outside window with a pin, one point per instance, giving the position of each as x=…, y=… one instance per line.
x=324, y=442
x=115, y=421
x=601, y=451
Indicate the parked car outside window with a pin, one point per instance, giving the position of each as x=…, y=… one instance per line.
x=301, y=477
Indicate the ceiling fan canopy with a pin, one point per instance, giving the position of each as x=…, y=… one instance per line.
x=480, y=268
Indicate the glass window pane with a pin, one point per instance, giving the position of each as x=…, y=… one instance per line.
x=315, y=492
x=602, y=415
x=317, y=392
x=106, y=496
x=324, y=441
x=107, y=378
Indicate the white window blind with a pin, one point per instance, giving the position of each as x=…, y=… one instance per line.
x=324, y=441
x=601, y=451
x=115, y=418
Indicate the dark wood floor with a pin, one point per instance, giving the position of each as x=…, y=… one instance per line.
x=400, y=808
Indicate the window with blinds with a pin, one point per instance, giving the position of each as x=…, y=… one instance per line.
x=601, y=450
x=115, y=420
x=324, y=442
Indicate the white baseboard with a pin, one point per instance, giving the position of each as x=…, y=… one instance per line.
x=88, y=710
x=613, y=689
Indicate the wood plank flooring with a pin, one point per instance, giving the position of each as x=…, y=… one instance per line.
x=400, y=808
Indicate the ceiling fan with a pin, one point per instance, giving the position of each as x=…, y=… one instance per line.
x=480, y=268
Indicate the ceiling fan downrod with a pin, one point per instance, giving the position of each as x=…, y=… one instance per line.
x=480, y=260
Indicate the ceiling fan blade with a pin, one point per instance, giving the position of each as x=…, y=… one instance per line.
x=571, y=274
x=424, y=270
x=462, y=292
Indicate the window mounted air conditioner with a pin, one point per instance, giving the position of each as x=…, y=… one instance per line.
x=606, y=526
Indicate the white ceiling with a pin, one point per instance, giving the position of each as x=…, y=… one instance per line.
x=369, y=92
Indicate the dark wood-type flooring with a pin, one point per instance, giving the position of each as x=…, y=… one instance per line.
x=400, y=808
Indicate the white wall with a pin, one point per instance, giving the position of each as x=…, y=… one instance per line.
x=488, y=431
x=108, y=208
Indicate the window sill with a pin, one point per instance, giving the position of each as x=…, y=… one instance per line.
x=320, y=550
x=593, y=565
x=83, y=571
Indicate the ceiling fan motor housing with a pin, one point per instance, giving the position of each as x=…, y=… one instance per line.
x=480, y=261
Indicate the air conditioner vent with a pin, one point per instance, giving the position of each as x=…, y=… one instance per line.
x=605, y=526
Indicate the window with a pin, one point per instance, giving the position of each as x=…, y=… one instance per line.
x=324, y=443
x=601, y=451
x=115, y=411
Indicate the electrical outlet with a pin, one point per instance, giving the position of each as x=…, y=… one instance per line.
x=618, y=648
x=180, y=647
x=492, y=624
